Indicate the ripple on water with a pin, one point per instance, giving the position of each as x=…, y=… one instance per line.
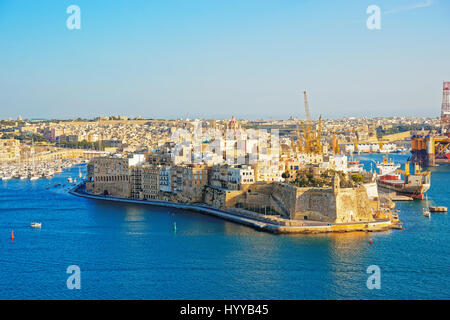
x=128, y=251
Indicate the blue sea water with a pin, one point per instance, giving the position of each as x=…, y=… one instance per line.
x=128, y=251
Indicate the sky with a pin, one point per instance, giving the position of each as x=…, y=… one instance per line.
x=217, y=58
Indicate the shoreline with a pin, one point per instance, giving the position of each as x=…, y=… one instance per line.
x=314, y=227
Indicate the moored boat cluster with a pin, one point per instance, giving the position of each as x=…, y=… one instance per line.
x=36, y=171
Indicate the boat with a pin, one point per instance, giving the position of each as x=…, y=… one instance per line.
x=36, y=224
x=355, y=167
x=414, y=185
x=32, y=178
x=437, y=209
x=69, y=179
x=426, y=212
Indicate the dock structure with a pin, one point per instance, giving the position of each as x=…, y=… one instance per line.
x=391, y=196
x=431, y=149
x=401, y=198
x=279, y=226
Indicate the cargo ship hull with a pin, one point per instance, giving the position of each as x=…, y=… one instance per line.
x=413, y=191
x=415, y=185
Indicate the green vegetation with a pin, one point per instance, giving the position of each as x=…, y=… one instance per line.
x=357, y=178
x=7, y=123
x=36, y=137
x=286, y=175
x=25, y=137
x=402, y=128
x=307, y=179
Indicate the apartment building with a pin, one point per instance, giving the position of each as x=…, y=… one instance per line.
x=150, y=182
x=190, y=181
x=109, y=176
x=239, y=176
x=231, y=177
x=9, y=150
x=165, y=179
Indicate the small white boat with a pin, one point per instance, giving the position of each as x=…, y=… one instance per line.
x=36, y=224
x=69, y=179
x=32, y=178
x=426, y=211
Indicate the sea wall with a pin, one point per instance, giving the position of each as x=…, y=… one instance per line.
x=270, y=224
x=324, y=204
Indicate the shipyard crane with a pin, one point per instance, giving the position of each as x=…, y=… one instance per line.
x=312, y=140
x=310, y=143
x=308, y=119
x=335, y=144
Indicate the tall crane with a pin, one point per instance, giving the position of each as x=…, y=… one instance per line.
x=335, y=144
x=312, y=140
x=308, y=118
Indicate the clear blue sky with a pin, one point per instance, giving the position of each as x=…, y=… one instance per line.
x=217, y=58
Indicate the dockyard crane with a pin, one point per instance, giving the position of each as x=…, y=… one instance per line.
x=335, y=144
x=308, y=119
x=312, y=140
x=308, y=123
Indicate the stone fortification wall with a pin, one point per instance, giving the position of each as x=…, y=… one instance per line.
x=335, y=204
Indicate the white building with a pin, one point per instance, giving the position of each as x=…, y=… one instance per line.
x=337, y=162
x=240, y=175
x=136, y=160
x=165, y=181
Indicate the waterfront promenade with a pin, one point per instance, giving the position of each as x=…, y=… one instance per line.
x=258, y=224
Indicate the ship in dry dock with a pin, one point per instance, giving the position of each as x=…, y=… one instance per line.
x=414, y=185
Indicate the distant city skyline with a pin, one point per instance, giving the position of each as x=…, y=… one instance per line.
x=204, y=59
x=202, y=118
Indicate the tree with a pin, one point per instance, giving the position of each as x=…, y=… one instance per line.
x=357, y=178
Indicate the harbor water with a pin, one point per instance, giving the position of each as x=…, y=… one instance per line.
x=128, y=251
